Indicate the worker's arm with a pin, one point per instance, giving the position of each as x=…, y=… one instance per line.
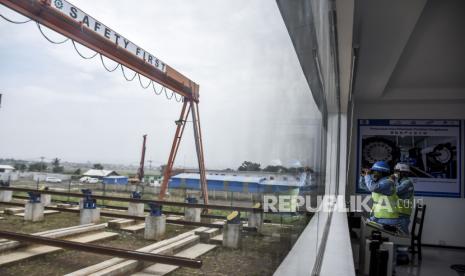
x=382, y=186
x=405, y=188
x=361, y=182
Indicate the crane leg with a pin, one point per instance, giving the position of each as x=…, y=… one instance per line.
x=199, y=149
x=180, y=125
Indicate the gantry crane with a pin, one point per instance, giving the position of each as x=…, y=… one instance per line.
x=68, y=20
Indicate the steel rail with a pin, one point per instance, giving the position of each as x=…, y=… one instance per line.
x=104, y=250
x=145, y=210
x=146, y=201
x=124, y=216
x=142, y=218
x=125, y=208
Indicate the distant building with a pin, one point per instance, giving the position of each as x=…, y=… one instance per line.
x=6, y=168
x=249, y=183
x=7, y=173
x=100, y=174
x=114, y=179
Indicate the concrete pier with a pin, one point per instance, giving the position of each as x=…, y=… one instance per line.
x=155, y=227
x=192, y=214
x=90, y=216
x=232, y=235
x=256, y=220
x=81, y=203
x=6, y=196
x=34, y=211
x=45, y=199
x=135, y=209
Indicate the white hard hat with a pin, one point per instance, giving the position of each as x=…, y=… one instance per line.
x=402, y=167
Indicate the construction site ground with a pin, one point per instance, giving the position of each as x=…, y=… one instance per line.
x=260, y=254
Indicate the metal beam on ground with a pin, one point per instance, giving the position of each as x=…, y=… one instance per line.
x=105, y=250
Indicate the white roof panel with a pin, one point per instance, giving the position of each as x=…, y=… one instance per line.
x=100, y=173
x=282, y=180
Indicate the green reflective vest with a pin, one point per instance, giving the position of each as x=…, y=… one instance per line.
x=384, y=206
x=405, y=206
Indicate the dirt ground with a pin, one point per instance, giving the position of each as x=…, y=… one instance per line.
x=67, y=261
x=259, y=254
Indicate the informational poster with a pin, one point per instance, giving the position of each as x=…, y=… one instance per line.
x=430, y=147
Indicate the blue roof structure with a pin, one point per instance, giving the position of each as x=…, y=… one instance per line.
x=239, y=183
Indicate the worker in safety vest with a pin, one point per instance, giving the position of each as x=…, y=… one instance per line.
x=379, y=182
x=405, y=192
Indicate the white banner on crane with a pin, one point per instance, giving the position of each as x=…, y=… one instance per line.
x=92, y=24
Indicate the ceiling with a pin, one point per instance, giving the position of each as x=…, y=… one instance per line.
x=409, y=50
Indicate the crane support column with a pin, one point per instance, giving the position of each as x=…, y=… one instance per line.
x=191, y=106
x=180, y=125
x=199, y=149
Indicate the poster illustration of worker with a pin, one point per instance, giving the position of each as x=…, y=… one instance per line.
x=430, y=147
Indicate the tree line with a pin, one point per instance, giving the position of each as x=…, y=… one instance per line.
x=255, y=167
x=54, y=166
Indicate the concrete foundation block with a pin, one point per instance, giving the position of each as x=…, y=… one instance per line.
x=256, y=220
x=207, y=235
x=14, y=210
x=120, y=223
x=90, y=216
x=6, y=196
x=46, y=200
x=34, y=211
x=232, y=235
x=192, y=214
x=136, y=209
x=155, y=227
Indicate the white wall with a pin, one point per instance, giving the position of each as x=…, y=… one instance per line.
x=445, y=217
x=42, y=176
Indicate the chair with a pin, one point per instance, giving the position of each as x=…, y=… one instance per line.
x=417, y=229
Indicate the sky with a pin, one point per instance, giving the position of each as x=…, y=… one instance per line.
x=255, y=103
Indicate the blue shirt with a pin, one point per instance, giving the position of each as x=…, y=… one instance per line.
x=405, y=188
x=382, y=186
